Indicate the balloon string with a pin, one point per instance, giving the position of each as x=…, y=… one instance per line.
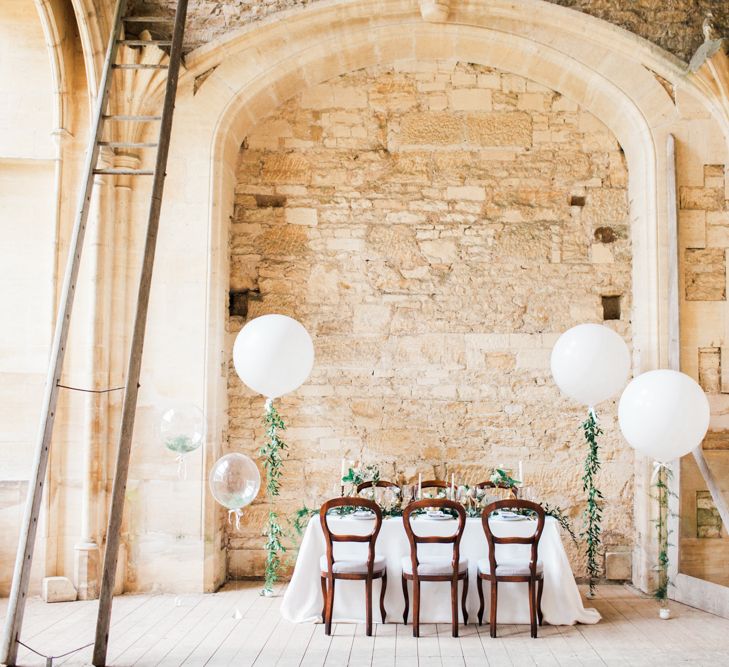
x=657, y=467
x=269, y=405
x=238, y=514
x=181, y=467
x=593, y=414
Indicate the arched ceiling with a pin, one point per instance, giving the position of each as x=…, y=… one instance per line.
x=674, y=25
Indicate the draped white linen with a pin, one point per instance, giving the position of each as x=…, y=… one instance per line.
x=561, y=601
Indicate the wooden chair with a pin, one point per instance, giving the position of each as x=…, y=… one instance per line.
x=529, y=571
x=380, y=484
x=490, y=485
x=434, y=484
x=434, y=569
x=373, y=567
x=430, y=484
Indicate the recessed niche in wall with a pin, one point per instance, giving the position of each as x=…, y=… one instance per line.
x=611, y=307
x=270, y=201
x=238, y=302
x=578, y=200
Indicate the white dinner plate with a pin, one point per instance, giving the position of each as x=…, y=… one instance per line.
x=363, y=516
x=436, y=516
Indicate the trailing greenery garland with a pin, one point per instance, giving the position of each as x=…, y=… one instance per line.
x=592, y=515
x=272, y=463
x=663, y=532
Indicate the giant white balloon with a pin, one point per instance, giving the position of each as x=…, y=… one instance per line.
x=590, y=363
x=273, y=355
x=235, y=481
x=664, y=414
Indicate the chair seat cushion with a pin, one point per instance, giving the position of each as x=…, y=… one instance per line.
x=433, y=566
x=353, y=566
x=509, y=568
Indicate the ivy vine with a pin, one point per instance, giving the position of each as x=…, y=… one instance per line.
x=592, y=515
x=663, y=493
x=273, y=464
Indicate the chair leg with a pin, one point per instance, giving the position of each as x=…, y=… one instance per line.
x=324, y=598
x=416, y=607
x=494, y=604
x=540, y=589
x=479, y=585
x=330, y=606
x=407, y=600
x=532, y=608
x=463, y=600
x=368, y=602
x=454, y=607
x=383, y=614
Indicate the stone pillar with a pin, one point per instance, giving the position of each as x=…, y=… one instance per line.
x=121, y=309
x=98, y=276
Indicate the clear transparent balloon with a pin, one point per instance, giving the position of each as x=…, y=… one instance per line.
x=235, y=481
x=182, y=428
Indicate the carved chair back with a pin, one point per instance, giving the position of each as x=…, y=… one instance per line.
x=331, y=537
x=380, y=484
x=415, y=539
x=532, y=539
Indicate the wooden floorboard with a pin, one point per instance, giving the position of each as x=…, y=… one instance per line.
x=236, y=626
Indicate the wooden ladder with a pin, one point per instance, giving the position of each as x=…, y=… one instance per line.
x=29, y=526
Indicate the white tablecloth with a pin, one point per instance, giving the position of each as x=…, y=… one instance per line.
x=561, y=601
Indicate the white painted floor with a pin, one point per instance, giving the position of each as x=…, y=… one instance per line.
x=238, y=627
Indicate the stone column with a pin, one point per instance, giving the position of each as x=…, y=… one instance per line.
x=98, y=276
x=120, y=313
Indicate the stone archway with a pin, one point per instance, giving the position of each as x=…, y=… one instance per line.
x=231, y=85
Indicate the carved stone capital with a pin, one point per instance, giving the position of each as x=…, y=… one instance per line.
x=435, y=11
x=709, y=69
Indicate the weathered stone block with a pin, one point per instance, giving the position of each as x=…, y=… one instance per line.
x=705, y=274
x=57, y=589
x=692, y=229
x=302, y=216
x=710, y=369
x=618, y=566
x=703, y=199
x=474, y=99
x=502, y=129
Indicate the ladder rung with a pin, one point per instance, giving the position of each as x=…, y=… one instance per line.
x=127, y=144
x=149, y=19
x=145, y=42
x=124, y=117
x=140, y=66
x=126, y=172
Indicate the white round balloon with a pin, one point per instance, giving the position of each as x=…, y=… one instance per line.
x=590, y=363
x=664, y=414
x=273, y=355
x=235, y=481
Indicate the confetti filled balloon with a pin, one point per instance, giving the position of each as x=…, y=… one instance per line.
x=182, y=428
x=235, y=481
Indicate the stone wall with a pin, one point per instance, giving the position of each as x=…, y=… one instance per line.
x=435, y=226
x=674, y=26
